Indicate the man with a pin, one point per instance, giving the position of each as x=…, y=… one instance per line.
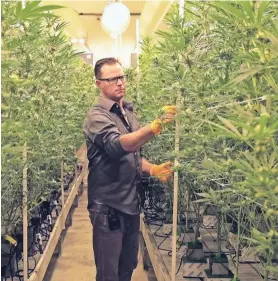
x=114, y=137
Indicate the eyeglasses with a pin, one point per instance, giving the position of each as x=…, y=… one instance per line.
x=114, y=80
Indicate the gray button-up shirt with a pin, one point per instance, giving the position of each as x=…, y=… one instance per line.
x=114, y=174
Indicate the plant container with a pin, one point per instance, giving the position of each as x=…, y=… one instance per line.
x=194, y=262
x=219, y=265
x=8, y=259
x=195, y=251
x=210, y=211
x=211, y=277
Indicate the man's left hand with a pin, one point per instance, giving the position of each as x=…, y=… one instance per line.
x=163, y=172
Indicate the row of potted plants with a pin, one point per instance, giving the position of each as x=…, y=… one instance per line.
x=46, y=92
x=218, y=63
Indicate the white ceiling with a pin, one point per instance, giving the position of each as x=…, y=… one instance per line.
x=149, y=12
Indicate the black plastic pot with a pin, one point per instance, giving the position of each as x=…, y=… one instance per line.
x=211, y=211
x=229, y=218
x=195, y=245
x=210, y=275
x=8, y=259
x=219, y=265
x=195, y=251
x=189, y=230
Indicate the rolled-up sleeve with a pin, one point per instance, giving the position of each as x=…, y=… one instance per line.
x=103, y=132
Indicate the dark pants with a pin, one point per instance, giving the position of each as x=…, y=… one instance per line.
x=115, y=251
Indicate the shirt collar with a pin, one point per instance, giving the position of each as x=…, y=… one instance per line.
x=108, y=104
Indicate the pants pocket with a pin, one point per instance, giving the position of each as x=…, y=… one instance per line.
x=98, y=219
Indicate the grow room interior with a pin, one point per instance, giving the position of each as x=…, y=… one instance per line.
x=217, y=62
x=84, y=18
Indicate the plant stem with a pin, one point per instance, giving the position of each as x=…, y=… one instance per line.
x=198, y=223
x=237, y=246
x=265, y=275
x=219, y=236
x=187, y=206
x=268, y=262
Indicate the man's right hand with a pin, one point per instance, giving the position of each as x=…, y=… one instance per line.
x=168, y=116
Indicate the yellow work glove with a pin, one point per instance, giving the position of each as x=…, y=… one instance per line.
x=163, y=172
x=167, y=117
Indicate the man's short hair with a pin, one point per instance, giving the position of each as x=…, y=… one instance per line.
x=99, y=64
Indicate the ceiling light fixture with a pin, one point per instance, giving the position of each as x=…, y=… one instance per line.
x=115, y=19
x=80, y=40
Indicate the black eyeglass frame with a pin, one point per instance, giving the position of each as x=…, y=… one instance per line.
x=116, y=78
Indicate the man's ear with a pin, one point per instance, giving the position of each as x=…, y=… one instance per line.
x=98, y=84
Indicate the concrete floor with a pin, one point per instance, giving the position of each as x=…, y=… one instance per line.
x=76, y=262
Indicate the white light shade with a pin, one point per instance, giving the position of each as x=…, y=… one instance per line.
x=115, y=19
